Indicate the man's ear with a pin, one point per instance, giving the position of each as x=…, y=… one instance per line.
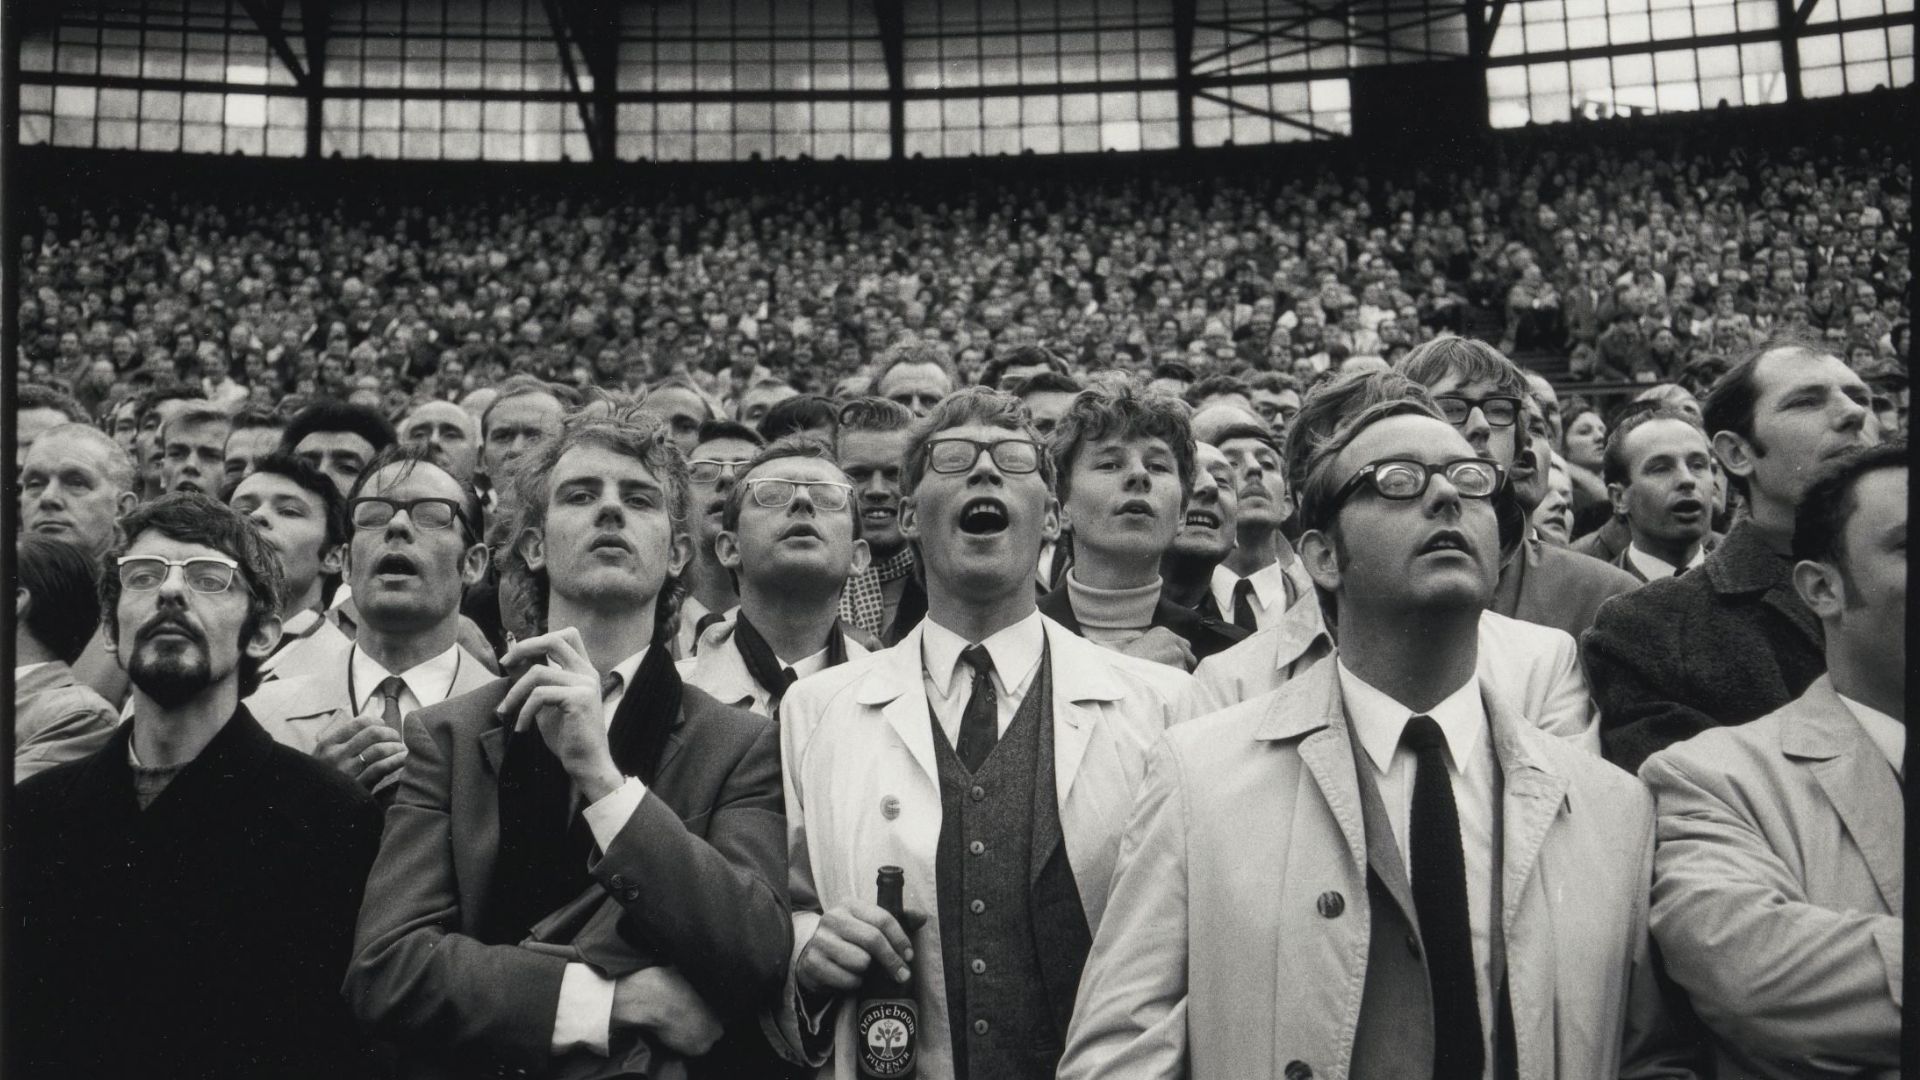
x=266, y=635
x=679, y=553
x=333, y=558
x=1321, y=558
x=1735, y=453
x=909, y=518
x=22, y=603
x=1617, y=495
x=1821, y=587
x=726, y=548
x=862, y=556
x=125, y=502
x=473, y=564
x=1055, y=521
x=532, y=546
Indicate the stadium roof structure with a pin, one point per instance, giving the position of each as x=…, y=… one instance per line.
x=745, y=79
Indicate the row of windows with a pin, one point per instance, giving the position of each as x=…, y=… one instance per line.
x=1233, y=37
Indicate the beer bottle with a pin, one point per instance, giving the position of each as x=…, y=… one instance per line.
x=887, y=1028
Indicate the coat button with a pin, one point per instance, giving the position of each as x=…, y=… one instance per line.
x=1298, y=1070
x=890, y=807
x=632, y=893
x=1331, y=904
x=977, y=793
x=979, y=1027
x=977, y=906
x=979, y=967
x=977, y=848
x=618, y=881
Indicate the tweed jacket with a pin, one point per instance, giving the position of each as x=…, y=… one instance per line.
x=1237, y=936
x=1554, y=586
x=56, y=720
x=1721, y=644
x=863, y=791
x=697, y=869
x=1778, y=889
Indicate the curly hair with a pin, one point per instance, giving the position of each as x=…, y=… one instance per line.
x=1122, y=414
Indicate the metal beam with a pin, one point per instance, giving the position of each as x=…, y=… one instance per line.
x=595, y=29
x=315, y=26
x=890, y=18
x=269, y=24
x=1184, y=12
x=563, y=41
x=1271, y=115
x=1283, y=28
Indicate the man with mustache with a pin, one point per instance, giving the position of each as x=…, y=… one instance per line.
x=1437, y=884
x=1734, y=641
x=193, y=447
x=582, y=874
x=721, y=449
x=790, y=538
x=886, y=599
x=184, y=897
x=1125, y=465
x=413, y=548
x=1659, y=473
x=1261, y=578
x=997, y=748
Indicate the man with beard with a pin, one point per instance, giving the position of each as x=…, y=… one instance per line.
x=1659, y=473
x=997, y=747
x=413, y=548
x=790, y=538
x=184, y=897
x=303, y=518
x=1733, y=641
x=193, y=447
x=582, y=875
x=886, y=599
x=1125, y=465
x=1261, y=578
x=1437, y=885
x=720, y=450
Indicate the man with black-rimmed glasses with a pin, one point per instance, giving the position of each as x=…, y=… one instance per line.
x=184, y=897
x=413, y=547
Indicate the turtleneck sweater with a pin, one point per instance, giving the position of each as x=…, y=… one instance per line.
x=1112, y=617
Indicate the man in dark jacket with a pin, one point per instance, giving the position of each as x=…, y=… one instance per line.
x=1733, y=641
x=185, y=896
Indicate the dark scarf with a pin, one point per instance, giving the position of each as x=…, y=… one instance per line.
x=544, y=840
x=766, y=668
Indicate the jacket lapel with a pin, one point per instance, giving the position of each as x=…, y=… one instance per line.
x=1856, y=779
x=1742, y=563
x=894, y=685
x=1083, y=684
x=1533, y=794
x=1309, y=708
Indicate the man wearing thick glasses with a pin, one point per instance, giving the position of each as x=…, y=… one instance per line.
x=413, y=547
x=1435, y=885
x=789, y=537
x=185, y=896
x=990, y=755
x=1479, y=391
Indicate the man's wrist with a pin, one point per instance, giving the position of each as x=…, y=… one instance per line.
x=598, y=780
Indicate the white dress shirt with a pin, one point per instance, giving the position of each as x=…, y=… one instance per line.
x=1888, y=734
x=1378, y=721
x=427, y=683
x=1655, y=568
x=585, y=1016
x=1269, y=597
x=949, y=680
x=806, y=665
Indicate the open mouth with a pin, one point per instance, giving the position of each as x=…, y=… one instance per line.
x=801, y=530
x=983, y=517
x=1445, y=540
x=878, y=515
x=1135, y=508
x=610, y=542
x=394, y=564
x=1687, y=507
x=1201, y=519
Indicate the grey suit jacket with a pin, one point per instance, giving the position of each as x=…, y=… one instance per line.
x=699, y=868
x=56, y=720
x=1778, y=889
x=1238, y=935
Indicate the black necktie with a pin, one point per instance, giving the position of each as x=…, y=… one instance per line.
x=1243, y=605
x=1440, y=896
x=980, y=724
x=389, y=690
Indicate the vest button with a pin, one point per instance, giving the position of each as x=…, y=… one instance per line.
x=979, y=1027
x=979, y=967
x=978, y=793
x=977, y=906
x=977, y=848
x=1331, y=904
x=1298, y=1070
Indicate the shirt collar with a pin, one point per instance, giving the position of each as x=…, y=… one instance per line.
x=23, y=670
x=1654, y=568
x=300, y=623
x=808, y=665
x=1015, y=651
x=1379, y=720
x=431, y=681
x=1269, y=586
x=627, y=668
x=1888, y=734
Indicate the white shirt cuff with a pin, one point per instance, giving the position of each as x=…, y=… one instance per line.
x=608, y=816
x=585, y=1019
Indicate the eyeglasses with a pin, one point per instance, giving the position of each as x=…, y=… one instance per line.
x=374, y=513
x=709, y=470
x=1400, y=480
x=1500, y=410
x=1012, y=456
x=204, y=573
x=774, y=492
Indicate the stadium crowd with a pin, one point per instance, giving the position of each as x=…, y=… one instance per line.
x=499, y=637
